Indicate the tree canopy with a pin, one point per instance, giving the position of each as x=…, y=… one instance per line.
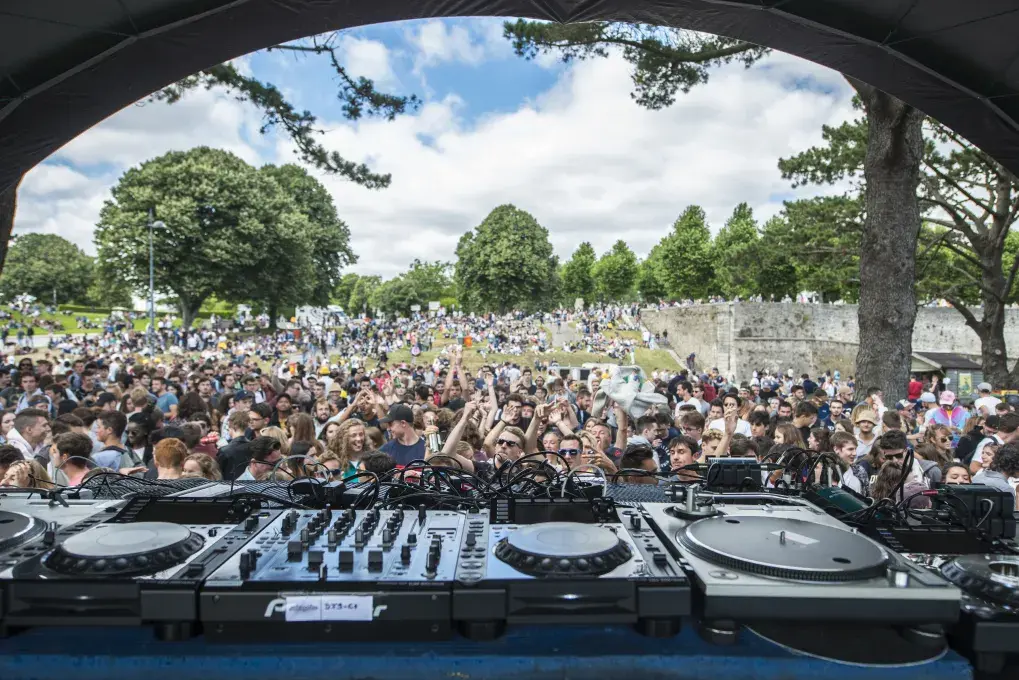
x=47, y=266
x=576, y=274
x=507, y=262
x=231, y=230
x=615, y=273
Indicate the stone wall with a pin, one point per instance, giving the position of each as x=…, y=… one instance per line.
x=738, y=337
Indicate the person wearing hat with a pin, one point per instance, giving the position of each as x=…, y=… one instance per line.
x=404, y=445
x=986, y=402
x=866, y=423
x=949, y=414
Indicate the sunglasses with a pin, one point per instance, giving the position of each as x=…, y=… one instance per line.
x=506, y=442
x=569, y=452
x=894, y=456
x=944, y=440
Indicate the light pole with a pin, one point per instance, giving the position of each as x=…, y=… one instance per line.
x=152, y=285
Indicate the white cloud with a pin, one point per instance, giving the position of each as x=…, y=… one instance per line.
x=582, y=157
x=585, y=160
x=64, y=194
x=438, y=42
x=368, y=58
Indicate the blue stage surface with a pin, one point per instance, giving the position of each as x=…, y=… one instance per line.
x=525, y=653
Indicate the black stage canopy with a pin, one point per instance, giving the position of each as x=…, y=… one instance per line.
x=65, y=65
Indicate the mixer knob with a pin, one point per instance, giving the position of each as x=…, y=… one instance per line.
x=359, y=538
x=405, y=554
x=432, y=562
x=387, y=538
x=422, y=513
x=305, y=535
x=251, y=523
x=374, y=560
x=346, y=560
x=635, y=522
x=412, y=539
x=315, y=559
x=471, y=540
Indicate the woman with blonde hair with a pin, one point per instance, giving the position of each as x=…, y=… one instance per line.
x=280, y=436
x=27, y=474
x=202, y=465
x=349, y=444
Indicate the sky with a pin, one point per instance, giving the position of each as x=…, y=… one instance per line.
x=567, y=144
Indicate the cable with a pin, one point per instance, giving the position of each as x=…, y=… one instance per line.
x=577, y=469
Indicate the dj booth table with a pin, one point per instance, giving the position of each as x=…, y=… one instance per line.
x=525, y=653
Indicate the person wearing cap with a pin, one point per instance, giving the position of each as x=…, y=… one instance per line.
x=949, y=414
x=404, y=445
x=986, y=402
x=866, y=424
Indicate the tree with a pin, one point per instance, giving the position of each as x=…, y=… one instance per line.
x=341, y=295
x=735, y=255
x=395, y=296
x=361, y=295
x=430, y=281
x=327, y=234
x=358, y=96
x=224, y=224
x=824, y=234
x=777, y=273
x=666, y=61
x=107, y=291
x=962, y=252
x=507, y=262
x=615, y=273
x=686, y=256
x=649, y=278
x=47, y=266
x=576, y=274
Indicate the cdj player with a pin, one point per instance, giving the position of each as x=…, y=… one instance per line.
x=757, y=557
x=127, y=563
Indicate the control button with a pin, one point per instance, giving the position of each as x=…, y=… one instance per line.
x=431, y=562
x=405, y=554
x=472, y=539
x=346, y=560
x=422, y=513
x=213, y=532
x=359, y=538
x=412, y=539
x=660, y=560
x=294, y=550
x=635, y=522
x=305, y=535
x=315, y=559
x=374, y=560
x=250, y=524
x=331, y=537
x=387, y=538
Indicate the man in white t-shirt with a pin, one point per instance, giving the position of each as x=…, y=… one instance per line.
x=684, y=395
x=986, y=402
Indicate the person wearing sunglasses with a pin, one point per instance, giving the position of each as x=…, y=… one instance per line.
x=888, y=448
x=570, y=449
x=265, y=453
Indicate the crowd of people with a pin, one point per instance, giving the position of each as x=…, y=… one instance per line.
x=327, y=402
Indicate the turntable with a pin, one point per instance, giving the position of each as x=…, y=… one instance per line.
x=765, y=558
x=140, y=563
x=605, y=566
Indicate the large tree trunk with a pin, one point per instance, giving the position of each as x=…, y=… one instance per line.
x=993, y=353
x=888, y=248
x=8, y=206
x=189, y=309
x=273, y=313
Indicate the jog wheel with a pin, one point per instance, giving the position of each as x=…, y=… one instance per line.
x=563, y=549
x=124, y=549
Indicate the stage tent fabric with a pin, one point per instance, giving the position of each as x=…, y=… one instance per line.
x=65, y=65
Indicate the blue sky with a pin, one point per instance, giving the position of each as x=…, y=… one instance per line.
x=567, y=144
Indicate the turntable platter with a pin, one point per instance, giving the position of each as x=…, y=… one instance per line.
x=563, y=548
x=17, y=528
x=123, y=549
x=784, y=548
